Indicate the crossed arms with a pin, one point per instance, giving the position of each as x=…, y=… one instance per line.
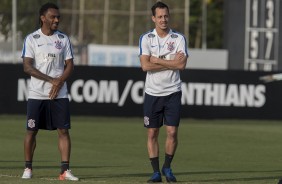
x=152, y=63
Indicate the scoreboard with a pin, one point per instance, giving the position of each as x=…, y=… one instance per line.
x=261, y=35
x=252, y=35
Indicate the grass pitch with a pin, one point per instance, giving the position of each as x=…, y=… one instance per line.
x=113, y=151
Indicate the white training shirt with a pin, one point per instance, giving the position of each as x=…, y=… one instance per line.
x=49, y=54
x=166, y=82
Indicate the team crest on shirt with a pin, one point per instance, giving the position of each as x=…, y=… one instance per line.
x=146, y=121
x=31, y=123
x=170, y=46
x=58, y=44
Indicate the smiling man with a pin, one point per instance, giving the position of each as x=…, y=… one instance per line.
x=48, y=59
x=163, y=52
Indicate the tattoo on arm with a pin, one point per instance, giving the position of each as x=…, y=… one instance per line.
x=32, y=71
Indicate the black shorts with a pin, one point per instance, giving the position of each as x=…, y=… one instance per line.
x=162, y=110
x=48, y=114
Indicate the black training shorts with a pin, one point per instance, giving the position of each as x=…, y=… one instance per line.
x=48, y=114
x=159, y=110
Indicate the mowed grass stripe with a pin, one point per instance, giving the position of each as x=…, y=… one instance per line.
x=113, y=150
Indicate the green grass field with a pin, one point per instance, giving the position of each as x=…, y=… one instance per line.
x=113, y=151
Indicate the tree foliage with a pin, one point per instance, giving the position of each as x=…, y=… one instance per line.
x=118, y=20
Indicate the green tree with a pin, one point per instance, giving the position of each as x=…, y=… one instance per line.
x=27, y=16
x=118, y=25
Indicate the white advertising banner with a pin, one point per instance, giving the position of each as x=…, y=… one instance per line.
x=127, y=56
x=105, y=55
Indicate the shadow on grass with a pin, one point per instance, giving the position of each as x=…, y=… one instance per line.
x=227, y=178
x=254, y=178
x=225, y=172
x=239, y=179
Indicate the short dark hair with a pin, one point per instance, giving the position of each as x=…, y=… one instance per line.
x=158, y=4
x=44, y=8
